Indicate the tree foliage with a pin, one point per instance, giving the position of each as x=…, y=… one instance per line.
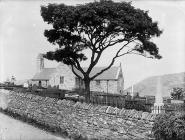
x=170, y=126
x=97, y=26
x=177, y=93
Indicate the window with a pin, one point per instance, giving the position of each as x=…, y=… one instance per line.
x=61, y=79
x=97, y=82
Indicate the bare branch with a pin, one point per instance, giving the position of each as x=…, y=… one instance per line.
x=142, y=55
x=72, y=66
x=94, y=62
x=79, y=66
x=113, y=60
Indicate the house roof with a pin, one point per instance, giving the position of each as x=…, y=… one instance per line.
x=45, y=74
x=110, y=74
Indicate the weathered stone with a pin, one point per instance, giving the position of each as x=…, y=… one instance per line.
x=153, y=117
x=68, y=103
x=85, y=106
x=29, y=96
x=137, y=135
x=95, y=123
x=96, y=108
x=149, y=117
x=132, y=113
x=116, y=111
x=110, y=110
x=122, y=131
x=90, y=106
x=103, y=109
x=144, y=115
x=122, y=112
x=130, y=123
x=77, y=105
x=59, y=102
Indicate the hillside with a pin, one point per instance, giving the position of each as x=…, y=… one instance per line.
x=149, y=86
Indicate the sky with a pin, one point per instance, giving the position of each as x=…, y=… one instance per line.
x=22, y=39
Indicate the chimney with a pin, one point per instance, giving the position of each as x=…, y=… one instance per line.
x=40, y=62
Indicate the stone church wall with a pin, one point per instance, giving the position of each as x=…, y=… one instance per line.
x=104, y=86
x=69, y=78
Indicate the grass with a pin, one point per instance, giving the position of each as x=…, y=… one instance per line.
x=55, y=130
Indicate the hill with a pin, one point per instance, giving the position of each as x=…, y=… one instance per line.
x=149, y=86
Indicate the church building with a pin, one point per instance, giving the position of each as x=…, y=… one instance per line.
x=110, y=81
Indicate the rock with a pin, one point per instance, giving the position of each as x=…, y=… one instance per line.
x=119, y=120
x=153, y=117
x=144, y=115
x=95, y=123
x=85, y=106
x=116, y=111
x=110, y=110
x=29, y=96
x=130, y=123
x=122, y=111
x=68, y=103
x=59, y=117
x=96, y=108
x=77, y=105
x=122, y=131
x=137, y=135
x=90, y=106
x=103, y=109
x=59, y=102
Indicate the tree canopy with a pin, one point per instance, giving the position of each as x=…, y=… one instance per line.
x=177, y=93
x=97, y=26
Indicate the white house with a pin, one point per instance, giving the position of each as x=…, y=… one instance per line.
x=111, y=81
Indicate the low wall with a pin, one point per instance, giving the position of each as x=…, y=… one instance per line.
x=90, y=121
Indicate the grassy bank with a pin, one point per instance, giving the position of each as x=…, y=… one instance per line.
x=54, y=130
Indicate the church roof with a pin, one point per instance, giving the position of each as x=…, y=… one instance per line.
x=45, y=74
x=110, y=74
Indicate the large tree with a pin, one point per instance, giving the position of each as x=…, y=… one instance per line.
x=98, y=26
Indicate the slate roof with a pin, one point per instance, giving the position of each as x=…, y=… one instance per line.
x=110, y=74
x=45, y=74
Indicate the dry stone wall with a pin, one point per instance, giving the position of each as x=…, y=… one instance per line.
x=91, y=121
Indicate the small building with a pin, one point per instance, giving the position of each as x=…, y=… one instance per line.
x=111, y=81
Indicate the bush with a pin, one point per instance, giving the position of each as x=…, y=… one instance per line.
x=174, y=107
x=170, y=126
x=137, y=105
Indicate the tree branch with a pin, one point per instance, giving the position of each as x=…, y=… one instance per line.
x=72, y=66
x=142, y=55
x=93, y=63
x=79, y=67
x=113, y=60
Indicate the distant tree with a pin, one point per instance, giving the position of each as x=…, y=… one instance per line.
x=177, y=93
x=98, y=26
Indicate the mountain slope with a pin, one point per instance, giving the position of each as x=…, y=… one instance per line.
x=149, y=86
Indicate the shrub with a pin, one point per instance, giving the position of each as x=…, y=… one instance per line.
x=174, y=107
x=137, y=105
x=169, y=126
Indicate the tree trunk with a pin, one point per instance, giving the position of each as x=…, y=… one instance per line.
x=87, y=89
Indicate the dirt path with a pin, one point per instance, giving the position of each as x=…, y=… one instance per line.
x=11, y=129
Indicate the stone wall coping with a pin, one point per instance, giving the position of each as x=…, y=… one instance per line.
x=132, y=113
